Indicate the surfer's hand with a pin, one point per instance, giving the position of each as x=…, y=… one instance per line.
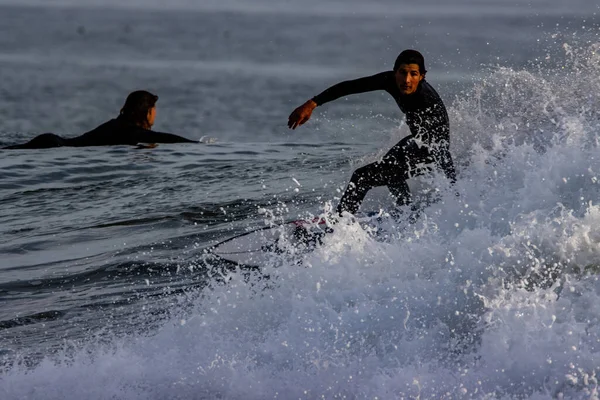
x=301, y=114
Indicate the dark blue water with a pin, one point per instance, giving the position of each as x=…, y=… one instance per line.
x=106, y=287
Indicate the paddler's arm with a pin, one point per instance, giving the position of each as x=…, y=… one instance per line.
x=147, y=136
x=149, y=139
x=161, y=137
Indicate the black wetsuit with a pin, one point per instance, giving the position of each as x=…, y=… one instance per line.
x=117, y=131
x=428, y=143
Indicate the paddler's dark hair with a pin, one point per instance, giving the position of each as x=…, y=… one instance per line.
x=136, y=107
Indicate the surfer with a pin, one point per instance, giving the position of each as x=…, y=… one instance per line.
x=131, y=127
x=427, y=145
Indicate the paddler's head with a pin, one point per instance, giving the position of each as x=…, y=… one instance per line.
x=140, y=108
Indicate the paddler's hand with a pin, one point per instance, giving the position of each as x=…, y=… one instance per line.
x=146, y=145
x=301, y=114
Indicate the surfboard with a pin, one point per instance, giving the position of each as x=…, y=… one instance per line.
x=273, y=244
x=289, y=241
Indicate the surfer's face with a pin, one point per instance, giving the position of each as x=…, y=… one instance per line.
x=151, y=116
x=408, y=77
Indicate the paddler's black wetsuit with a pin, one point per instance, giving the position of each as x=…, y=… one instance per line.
x=427, y=144
x=117, y=131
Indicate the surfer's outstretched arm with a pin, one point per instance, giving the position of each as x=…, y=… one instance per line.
x=367, y=84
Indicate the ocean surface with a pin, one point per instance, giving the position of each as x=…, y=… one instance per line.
x=107, y=287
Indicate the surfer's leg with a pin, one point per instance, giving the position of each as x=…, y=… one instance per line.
x=446, y=164
x=404, y=161
x=363, y=180
x=401, y=192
